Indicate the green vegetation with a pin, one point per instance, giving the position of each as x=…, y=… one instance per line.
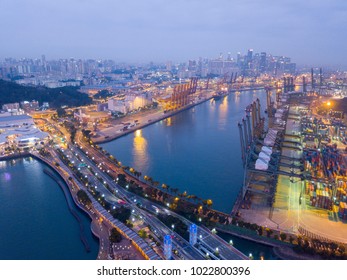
x=61, y=112
x=115, y=236
x=66, y=96
x=179, y=226
x=122, y=214
x=103, y=94
x=142, y=233
x=327, y=250
x=283, y=236
x=83, y=198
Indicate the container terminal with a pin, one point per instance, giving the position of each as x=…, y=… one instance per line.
x=294, y=155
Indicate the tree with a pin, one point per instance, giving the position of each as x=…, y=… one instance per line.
x=84, y=198
x=115, y=236
x=283, y=236
x=260, y=230
x=291, y=239
x=61, y=112
x=142, y=233
x=268, y=232
x=122, y=214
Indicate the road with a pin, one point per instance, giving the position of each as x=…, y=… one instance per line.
x=82, y=154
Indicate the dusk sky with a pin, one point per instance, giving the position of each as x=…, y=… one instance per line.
x=310, y=31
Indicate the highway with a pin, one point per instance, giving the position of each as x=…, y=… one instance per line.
x=86, y=159
x=225, y=250
x=178, y=243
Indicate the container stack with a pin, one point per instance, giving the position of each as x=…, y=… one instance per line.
x=313, y=198
x=343, y=210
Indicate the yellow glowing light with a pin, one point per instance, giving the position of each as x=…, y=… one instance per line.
x=329, y=103
x=138, y=133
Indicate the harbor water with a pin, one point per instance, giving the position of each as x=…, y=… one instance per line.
x=35, y=220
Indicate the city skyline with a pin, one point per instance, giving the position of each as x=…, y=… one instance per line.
x=138, y=32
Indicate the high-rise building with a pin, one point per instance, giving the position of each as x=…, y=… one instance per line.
x=262, y=64
x=193, y=234
x=238, y=61
x=168, y=247
x=250, y=55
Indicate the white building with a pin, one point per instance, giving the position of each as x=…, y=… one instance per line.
x=19, y=131
x=129, y=103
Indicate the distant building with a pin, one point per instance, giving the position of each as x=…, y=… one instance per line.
x=102, y=107
x=45, y=105
x=262, y=63
x=130, y=102
x=13, y=109
x=29, y=106
x=91, y=117
x=115, y=105
x=10, y=106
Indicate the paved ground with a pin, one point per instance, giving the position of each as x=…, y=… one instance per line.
x=113, y=129
x=288, y=213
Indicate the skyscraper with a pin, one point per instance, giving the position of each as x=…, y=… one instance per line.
x=262, y=64
x=249, y=55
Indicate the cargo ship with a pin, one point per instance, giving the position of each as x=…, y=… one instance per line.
x=219, y=95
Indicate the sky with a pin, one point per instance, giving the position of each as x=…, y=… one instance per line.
x=311, y=32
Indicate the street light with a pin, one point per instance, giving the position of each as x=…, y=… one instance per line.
x=231, y=242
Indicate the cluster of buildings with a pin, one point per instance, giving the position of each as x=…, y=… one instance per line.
x=116, y=105
x=248, y=65
x=92, y=72
x=24, y=107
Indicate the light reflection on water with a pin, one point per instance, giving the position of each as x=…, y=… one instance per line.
x=140, y=153
x=197, y=150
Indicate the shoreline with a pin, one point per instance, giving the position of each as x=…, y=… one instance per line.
x=69, y=204
x=163, y=117
x=104, y=140
x=75, y=201
x=64, y=181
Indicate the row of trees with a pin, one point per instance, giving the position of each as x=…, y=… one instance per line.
x=327, y=250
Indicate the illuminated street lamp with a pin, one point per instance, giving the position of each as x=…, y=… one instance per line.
x=231, y=242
